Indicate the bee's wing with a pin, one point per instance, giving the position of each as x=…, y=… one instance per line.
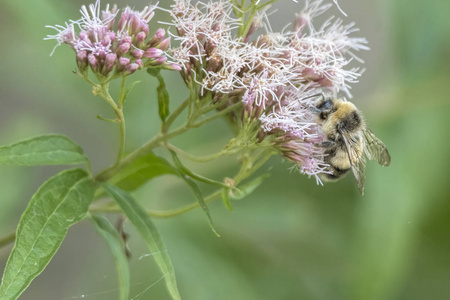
x=375, y=149
x=358, y=165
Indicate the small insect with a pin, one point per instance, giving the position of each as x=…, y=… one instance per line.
x=348, y=139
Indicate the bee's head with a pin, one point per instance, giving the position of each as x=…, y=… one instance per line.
x=325, y=108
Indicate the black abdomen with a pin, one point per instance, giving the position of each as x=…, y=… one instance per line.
x=336, y=173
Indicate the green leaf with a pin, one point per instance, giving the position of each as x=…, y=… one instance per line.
x=137, y=216
x=193, y=175
x=163, y=94
x=163, y=102
x=115, y=242
x=226, y=199
x=198, y=194
x=247, y=188
x=42, y=150
x=187, y=176
x=142, y=170
x=60, y=202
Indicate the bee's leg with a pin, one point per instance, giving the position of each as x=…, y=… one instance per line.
x=327, y=144
x=315, y=109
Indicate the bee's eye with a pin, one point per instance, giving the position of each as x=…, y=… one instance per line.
x=323, y=115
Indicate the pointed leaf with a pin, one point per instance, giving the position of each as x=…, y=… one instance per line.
x=226, y=199
x=60, y=202
x=163, y=102
x=198, y=194
x=142, y=170
x=187, y=176
x=115, y=242
x=138, y=217
x=193, y=175
x=163, y=94
x=42, y=150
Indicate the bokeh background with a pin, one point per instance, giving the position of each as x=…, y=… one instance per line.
x=290, y=239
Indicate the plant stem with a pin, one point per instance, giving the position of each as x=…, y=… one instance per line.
x=121, y=118
x=122, y=92
x=138, y=153
x=219, y=114
x=189, y=156
x=243, y=30
x=6, y=240
x=161, y=213
x=118, y=109
x=175, y=115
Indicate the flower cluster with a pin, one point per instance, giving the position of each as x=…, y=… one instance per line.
x=110, y=48
x=275, y=75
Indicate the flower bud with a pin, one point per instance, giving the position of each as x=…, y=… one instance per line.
x=123, y=49
x=301, y=20
x=123, y=19
x=83, y=35
x=144, y=27
x=139, y=39
x=159, y=34
x=106, y=40
x=157, y=38
x=133, y=22
x=125, y=39
x=122, y=63
x=255, y=25
x=112, y=35
x=137, y=53
x=153, y=53
x=108, y=16
x=131, y=68
x=110, y=60
x=160, y=60
x=172, y=66
x=93, y=62
x=164, y=44
x=82, y=60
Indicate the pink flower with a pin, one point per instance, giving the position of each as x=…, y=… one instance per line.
x=106, y=47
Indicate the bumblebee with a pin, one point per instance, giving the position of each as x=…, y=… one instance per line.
x=348, y=139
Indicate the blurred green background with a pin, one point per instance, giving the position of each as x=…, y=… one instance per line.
x=290, y=239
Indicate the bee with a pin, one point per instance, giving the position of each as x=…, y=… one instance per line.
x=348, y=139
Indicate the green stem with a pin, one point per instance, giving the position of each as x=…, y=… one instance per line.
x=6, y=240
x=243, y=30
x=121, y=118
x=118, y=109
x=85, y=76
x=246, y=172
x=189, y=156
x=175, y=115
x=191, y=101
x=217, y=115
x=160, y=213
x=140, y=152
x=122, y=92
